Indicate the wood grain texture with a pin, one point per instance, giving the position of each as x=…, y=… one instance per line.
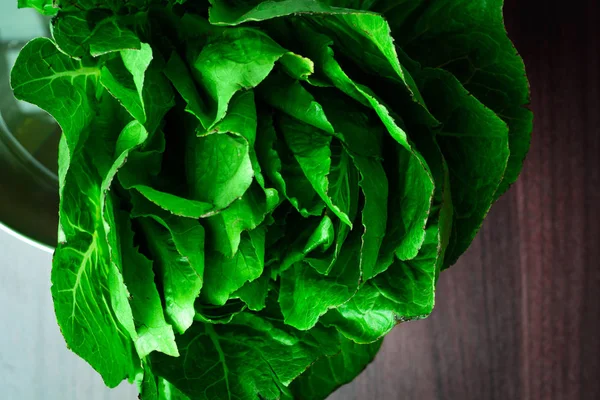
x=518, y=317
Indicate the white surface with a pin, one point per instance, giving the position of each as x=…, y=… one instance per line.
x=35, y=363
x=19, y=24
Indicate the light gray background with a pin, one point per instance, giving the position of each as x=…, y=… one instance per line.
x=35, y=363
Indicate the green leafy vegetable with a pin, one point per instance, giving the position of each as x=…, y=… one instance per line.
x=254, y=193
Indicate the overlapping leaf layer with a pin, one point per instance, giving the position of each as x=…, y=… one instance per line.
x=253, y=193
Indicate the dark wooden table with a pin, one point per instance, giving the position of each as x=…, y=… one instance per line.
x=519, y=316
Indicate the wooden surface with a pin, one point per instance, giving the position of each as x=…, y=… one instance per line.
x=519, y=316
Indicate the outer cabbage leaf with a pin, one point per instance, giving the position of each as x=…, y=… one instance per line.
x=89, y=295
x=70, y=81
x=475, y=144
x=468, y=39
x=329, y=373
x=215, y=360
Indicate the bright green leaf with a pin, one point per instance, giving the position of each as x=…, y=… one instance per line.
x=226, y=275
x=237, y=59
x=177, y=248
x=154, y=333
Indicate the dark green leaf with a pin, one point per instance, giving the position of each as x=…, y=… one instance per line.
x=62, y=86
x=283, y=170
x=219, y=169
x=216, y=358
x=166, y=391
x=329, y=373
x=140, y=174
x=362, y=134
x=289, y=96
x=474, y=142
x=179, y=74
x=468, y=38
x=406, y=289
x=85, y=281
